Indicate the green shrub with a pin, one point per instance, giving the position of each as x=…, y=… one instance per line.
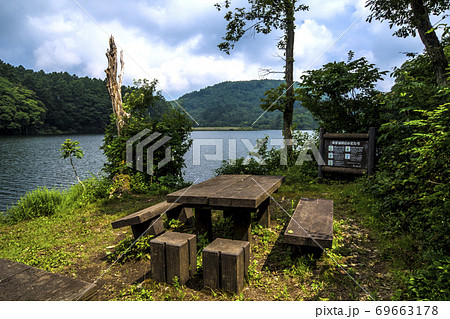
x=46, y=202
x=410, y=193
x=271, y=161
x=413, y=191
x=431, y=283
x=39, y=202
x=128, y=249
x=76, y=196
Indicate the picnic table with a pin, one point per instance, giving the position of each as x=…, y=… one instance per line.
x=236, y=195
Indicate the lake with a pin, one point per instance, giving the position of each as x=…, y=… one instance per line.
x=27, y=162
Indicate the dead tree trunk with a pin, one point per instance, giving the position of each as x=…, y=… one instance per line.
x=114, y=84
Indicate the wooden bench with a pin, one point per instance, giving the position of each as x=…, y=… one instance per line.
x=148, y=221
x=311, y=224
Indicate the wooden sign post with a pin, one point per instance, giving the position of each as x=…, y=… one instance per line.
x=349, y=153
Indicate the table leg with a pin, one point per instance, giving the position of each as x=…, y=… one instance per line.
x=264, y=213
x=242, y=224
x=203, y=221
x=174, y=213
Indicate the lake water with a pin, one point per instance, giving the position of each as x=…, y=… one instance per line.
x=27, y=162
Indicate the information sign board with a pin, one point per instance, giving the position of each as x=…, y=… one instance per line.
x=347, y=153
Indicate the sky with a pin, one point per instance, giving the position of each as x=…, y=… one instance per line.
x=175, y=41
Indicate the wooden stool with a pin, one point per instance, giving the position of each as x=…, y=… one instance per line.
x=173, y=255
x=225, y=264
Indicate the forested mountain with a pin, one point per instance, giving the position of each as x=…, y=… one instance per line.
x=39, y=102
x=237, y=104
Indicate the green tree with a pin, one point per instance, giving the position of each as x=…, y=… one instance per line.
x=20, y=110
x=413, y=16
x=67, y=103
x=264, y=16
x=71, y=149
x=148, y=110
x=342, y=95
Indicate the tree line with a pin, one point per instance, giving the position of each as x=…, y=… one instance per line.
x=47, y=103
x=38, y=102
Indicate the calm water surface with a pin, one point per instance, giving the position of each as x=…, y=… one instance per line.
x=27, y=162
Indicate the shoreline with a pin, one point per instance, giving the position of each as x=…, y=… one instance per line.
x=224, y=128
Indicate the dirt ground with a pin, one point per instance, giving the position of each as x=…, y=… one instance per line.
x=352, y=270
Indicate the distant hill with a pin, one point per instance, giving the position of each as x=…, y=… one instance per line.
x=45, y=103
x=237, y=103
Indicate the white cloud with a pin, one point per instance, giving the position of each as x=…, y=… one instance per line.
x=56, y=54
x=176, y=11
x=311, y=42
x=175, y=40
x=184, y=73
x=329, y=9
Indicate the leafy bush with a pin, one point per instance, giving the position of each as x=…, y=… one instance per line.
x=342, y=96
x=39, y=202
x=431, y=283
x=128, y=249
x=299, y=166
x=411, y=189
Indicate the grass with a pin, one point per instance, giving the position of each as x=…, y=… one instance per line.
x=39, y=202
x=78, y=241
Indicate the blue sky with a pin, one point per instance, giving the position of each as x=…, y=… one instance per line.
x=175, y=41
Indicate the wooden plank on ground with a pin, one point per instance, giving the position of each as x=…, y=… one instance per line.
x=311, y=224
x=250, y=192
x=19, y=282
x=199, y=194
x=144, y=214
x=10, y=269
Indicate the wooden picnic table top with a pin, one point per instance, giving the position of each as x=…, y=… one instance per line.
x=245, y=191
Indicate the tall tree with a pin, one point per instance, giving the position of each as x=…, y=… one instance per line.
x=261, y=17
x=413, y=16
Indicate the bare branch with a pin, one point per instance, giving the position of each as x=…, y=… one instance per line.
x=263, y=72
